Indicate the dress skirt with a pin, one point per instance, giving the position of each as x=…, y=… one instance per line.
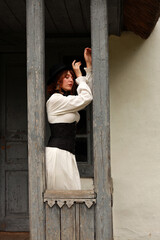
x=61, y=170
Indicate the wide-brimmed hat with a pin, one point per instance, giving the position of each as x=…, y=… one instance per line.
x=55, y=69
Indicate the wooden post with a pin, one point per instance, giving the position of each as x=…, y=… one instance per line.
x=101, y=120
x=36, y=116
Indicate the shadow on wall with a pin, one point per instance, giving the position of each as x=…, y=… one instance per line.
x=122, y=51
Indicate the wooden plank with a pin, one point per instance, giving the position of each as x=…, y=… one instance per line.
x=36, y=116
x=76, y=17
x=53, y=223
x=18, y=10
x=14, y=159
x=16, y=113
x=59, y=16
x=14, y=235
x=8, y=18
x=86, y=222
x=50, y=26
x=4, y=27
x=115, y=14
x=77, y=218
x=101, y=119
x=86, y=13
x=16, y=194
x=2, y=141
x=68, y=225
x=16, y=200
x=83, y=194
x=14, y=41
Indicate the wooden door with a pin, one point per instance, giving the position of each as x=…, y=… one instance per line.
x=13, y=152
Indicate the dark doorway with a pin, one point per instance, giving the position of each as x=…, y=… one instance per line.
x=13, y=152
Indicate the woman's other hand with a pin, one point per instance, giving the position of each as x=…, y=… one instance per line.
x=88, y=57
x=76, y=68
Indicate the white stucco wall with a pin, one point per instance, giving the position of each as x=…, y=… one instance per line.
x=135, y=135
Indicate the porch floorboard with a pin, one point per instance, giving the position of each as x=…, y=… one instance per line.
x=14, y=235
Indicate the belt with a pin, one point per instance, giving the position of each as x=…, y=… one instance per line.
x=63, y=136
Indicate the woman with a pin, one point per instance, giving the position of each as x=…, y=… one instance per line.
x=62, y=111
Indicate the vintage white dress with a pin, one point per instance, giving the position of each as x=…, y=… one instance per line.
x=61, y=167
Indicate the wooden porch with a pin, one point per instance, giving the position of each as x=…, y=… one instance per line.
x=12, y=41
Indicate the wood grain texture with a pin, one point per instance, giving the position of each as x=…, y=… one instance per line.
x=86, y=223
x=17, y=9
x=59, y=16
x=74, y=10
x=86, y=14
x=10, y=21
x=16, y=194
x=115, y=17
x=101, y=119
x=68, y=225
x=62, y=17
x=49, y=21
x=13, y=153
x=77, y=218
x=2, y=142
x=83, y=194
x=14, y=236
x=53, y=223
x=36, y=116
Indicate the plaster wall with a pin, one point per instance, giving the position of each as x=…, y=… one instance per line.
x=135, y=135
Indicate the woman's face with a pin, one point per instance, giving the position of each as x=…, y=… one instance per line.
x=68, y=81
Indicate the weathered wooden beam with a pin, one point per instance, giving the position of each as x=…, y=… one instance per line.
x=115, y=17
x=36, y=116
x=101, y=120
x=87, y=194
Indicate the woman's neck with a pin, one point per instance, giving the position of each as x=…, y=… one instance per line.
x=63, y=92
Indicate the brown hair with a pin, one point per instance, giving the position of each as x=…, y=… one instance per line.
x=56, y=86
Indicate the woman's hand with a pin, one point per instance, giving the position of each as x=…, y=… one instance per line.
x=76, y=68
x=88, y=57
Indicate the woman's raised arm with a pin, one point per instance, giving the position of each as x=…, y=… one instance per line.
x=88, y=57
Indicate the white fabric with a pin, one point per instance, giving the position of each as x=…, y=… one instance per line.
x=61, y=167
x=62, y=172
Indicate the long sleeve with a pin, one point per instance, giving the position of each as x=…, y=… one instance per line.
x=59, y=104
x=89, y=77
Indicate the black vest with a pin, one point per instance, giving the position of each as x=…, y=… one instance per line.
x=63, y=136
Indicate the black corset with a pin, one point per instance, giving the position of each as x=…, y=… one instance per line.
x=63, y=136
